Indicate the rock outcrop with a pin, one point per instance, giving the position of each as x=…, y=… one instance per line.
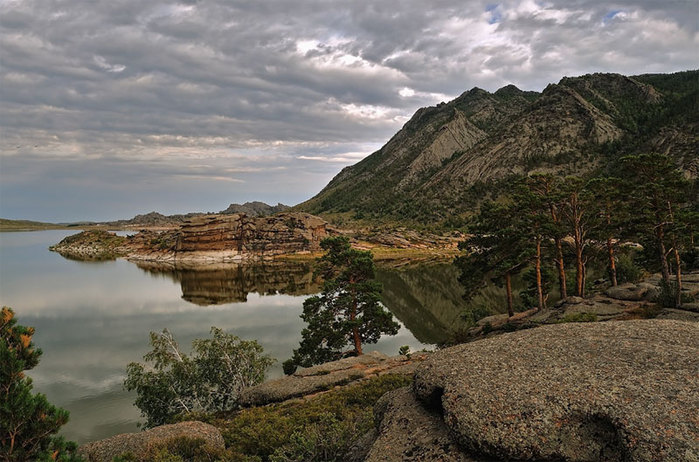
x=614, y=391
x=319, y=378
x=139, y=443
x=209, y=239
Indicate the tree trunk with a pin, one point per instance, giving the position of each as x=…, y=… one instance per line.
x=559, y=254
x=579, y=268
x=508, y=287
x=355, y=330
x=664, y=269
x=612, y=262
x=678, y=278
x=561, y=269
x=357, y=342
x=678, y=260
x=539, y=285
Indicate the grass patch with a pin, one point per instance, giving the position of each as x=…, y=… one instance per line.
x=336, y=418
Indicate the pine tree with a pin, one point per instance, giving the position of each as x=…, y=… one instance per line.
x=496, y=250
x=28, y=422
x=348, y=311
x=610, y=205
x=659, y=194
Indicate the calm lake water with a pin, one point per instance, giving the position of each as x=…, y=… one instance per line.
x=92, y=319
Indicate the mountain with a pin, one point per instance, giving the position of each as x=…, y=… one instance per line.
x=155, y=219
x=447, y=158
x=255, y=209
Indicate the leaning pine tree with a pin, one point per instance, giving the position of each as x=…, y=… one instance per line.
x=348, y=312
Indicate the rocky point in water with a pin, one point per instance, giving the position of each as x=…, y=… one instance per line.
x=206, y=240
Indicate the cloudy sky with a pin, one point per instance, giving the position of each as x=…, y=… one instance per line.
x=110, y=108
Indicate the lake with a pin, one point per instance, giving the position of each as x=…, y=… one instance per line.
x=93, y=318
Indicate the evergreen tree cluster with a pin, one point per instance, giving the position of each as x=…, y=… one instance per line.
x=569, y=221
x=28, y=422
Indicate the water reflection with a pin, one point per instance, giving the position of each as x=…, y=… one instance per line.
x=425, y=298
x=232, y=283
x=92, y=319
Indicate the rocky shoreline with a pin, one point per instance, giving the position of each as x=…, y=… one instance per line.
x=214, y=241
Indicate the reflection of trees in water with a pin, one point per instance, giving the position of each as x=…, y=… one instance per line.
x=232, y=283
x=425, y=298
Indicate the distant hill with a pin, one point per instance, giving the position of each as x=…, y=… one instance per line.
x=26, y=225
x=255, y=209
x=447, y=158
x=155, y=219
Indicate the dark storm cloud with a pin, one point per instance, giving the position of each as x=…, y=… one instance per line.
x=286, y=85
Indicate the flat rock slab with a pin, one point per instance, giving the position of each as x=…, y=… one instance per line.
x=325, y=376
x=139, y=443
x=608, y=391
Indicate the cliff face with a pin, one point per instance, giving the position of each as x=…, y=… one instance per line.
x=448, y=157
x=240, y=234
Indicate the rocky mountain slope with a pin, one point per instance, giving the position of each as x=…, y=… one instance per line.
x=448, y=157
x=255, y=209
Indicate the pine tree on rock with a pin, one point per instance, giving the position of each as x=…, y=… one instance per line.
x=348, y=311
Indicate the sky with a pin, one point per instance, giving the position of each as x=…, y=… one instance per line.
x=109, y=108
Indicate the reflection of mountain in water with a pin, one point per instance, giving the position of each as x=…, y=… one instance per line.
x=426, y=298
x=232, y=283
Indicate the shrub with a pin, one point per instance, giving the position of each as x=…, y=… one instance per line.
x=279, y=429
x=627, y=270
x=209, y=380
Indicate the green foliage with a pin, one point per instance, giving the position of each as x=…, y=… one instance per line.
x=404, y=350
x=348, y=311
x=529, y=295
x=182, y=449
x=289, y=367
x=668, y=295
x=475, y=314
x=28, y=422
x=208, y=380
x=328, y=440
x=627, y=270
x=279, y=428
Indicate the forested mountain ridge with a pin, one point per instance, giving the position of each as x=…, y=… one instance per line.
x=447, y=158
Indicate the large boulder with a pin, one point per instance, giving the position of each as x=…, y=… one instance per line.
x=139, y=443
x=612, y=391
x=634, y=292
x=410, y=432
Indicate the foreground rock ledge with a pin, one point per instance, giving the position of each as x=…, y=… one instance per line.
x=614, y=391
x=139, y=443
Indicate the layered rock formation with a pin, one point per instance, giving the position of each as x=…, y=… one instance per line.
x=209, y=239
x=615, y=391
